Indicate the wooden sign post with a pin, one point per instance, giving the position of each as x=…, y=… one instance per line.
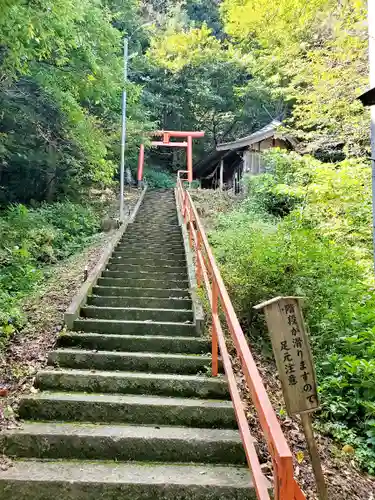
x=296, y=369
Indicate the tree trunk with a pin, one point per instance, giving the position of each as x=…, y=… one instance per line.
x=51, y=175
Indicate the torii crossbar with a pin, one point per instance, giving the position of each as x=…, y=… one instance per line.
x=165, y=141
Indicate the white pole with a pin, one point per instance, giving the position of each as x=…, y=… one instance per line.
x=371, y=32
x=123, y=134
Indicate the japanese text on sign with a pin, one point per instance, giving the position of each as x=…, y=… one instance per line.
x=292, y=353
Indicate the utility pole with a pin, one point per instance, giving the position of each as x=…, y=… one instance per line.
x=123, y=131
x=371, y=37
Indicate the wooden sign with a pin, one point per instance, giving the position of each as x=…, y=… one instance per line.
x=292, y=353
x=295, y=365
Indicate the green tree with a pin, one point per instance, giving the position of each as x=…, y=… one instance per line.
x=195, y=81
x=68, y=57
x=314, y=54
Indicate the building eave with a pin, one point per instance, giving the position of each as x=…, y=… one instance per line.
x=262, y=134
x=368, y=98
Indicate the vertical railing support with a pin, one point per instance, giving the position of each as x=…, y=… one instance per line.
x=283, y=476
x=198, y=259
x=190, y=228
x=184, y=211
x=215, y=348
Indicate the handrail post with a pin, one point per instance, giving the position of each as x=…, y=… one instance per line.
x=198, y=258
x=215, y=348
x=283, y=478
x=184, y=206
x=276, y=479
x=190, y=227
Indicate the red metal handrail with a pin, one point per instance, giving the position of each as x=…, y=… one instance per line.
x=285, y=486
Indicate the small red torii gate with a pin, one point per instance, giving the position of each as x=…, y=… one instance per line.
x=166, y=136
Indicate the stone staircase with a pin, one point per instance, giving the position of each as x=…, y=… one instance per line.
x=126, y=408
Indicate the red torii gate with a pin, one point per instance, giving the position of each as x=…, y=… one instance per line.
x=166, y=136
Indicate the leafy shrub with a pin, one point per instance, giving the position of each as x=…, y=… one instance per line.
x=280, y=189
x=11, y=317
x=320, y=248
x=30, y=238
x=73, y=223
x=159, y=179
x=269, y=196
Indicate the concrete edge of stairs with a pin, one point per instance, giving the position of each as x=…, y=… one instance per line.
x=90, y=481
x=73, y=310
x=197, y=306
x=83, y=441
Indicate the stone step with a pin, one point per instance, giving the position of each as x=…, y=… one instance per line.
x=153, y=410
x=161, y=241
x=159, y=201
x=170, y=257
x=145, y=246
x=162, y=227
x=161, y=384
x=162, y=224
x=141, y=292
x=150, y=219
x=158, y=206
x=154, y=220
x=135, y=343
x=138, y=314
x=149, y=269
x=135, y=327
x=140, y=273
x=142, y=243
x=147, y=232
x=145, y=240
x=149, y=260
x=170, y=229
x=175, y=258
x=153, y=362
x=150, y=302
x=174, y=232
x=123, y=443
x=46, y=480
x=110, y=278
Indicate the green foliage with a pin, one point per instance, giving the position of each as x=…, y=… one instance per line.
x=209, y=88
x=313, y=53
x=159, y=179
x=319, y=248
x=60, y=96
x=178, y=49
x=30, y=238
x=206, y=11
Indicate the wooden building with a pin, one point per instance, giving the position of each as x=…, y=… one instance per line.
x=224, y=167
